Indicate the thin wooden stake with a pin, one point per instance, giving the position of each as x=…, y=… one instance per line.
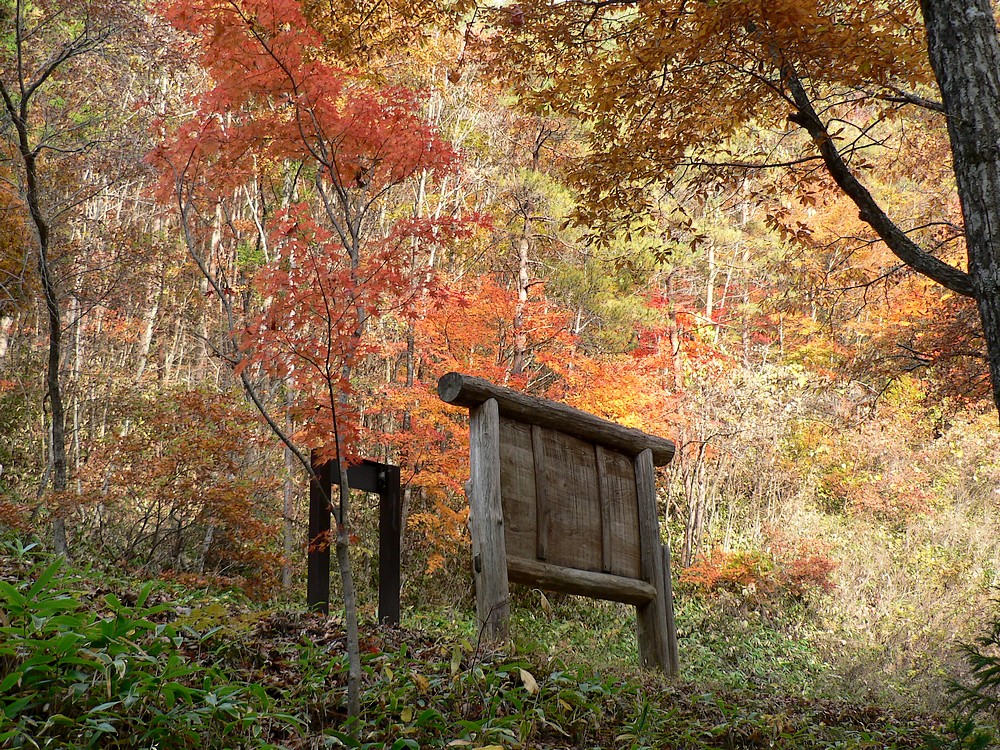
x=604, y=500
x=673, y=652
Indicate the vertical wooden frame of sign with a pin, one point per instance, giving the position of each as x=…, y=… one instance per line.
x=543, y=521
x=603, y=499
x=489, y=554
x=651, y=619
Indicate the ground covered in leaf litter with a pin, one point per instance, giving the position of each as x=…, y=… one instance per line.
x=427, y=690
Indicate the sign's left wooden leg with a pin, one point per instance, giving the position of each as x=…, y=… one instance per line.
x=486, y=512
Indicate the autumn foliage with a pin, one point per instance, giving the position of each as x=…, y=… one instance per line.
x=340, y=202
x=784, y=570
x=181, y=486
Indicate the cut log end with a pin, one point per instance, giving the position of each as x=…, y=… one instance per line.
x=450, y=386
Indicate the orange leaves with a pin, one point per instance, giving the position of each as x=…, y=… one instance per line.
x=182, y=486
x=620, y=388
x=784, y=570
x=248, y=39
x=332, y=146
x=683, y=78
x=471, y=330
x=386, y=35
x=723, y=570
x=275, y=97
x=443, y=529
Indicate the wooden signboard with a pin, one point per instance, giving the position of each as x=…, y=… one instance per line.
x=566, y=501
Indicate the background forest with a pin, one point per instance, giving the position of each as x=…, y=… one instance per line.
x=234, y=232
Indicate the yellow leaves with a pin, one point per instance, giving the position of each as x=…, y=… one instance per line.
x=443, y=528
x=457, y=653
x=679, y=77
x=545, y=605
x=529, y=682
x=422, y=683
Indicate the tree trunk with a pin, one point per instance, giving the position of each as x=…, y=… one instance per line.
x=53, y=386
x=523, y=280
x=965, y=55
x=75, y=428
x=7, y=325
x=675, y=339
x=713, y=273
x=288, y=510
x=148, y=326
x=343, y=549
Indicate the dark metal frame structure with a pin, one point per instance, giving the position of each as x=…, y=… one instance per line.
x=367, y=476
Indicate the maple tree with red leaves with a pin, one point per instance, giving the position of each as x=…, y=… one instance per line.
x=277, y=103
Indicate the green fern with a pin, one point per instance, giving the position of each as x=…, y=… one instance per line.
x=981, y=697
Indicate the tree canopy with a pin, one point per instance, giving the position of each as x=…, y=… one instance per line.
x=667, y=85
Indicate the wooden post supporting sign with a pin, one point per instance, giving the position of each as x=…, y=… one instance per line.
x=489, y=561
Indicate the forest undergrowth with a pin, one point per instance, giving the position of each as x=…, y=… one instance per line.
x=95, y=660
x=840, y=576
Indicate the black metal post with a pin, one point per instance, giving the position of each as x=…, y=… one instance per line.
x=389, y=521
x=318, y=570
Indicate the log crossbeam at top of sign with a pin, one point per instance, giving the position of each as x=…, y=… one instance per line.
x=469, y=391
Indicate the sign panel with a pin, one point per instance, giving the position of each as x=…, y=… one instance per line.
x=563, y=500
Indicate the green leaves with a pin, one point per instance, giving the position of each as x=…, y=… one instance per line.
x=75, y=677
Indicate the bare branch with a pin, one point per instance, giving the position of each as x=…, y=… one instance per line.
x=895, y=238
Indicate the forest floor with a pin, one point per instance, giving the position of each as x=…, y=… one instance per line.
x=87, y=661
x=439, y=690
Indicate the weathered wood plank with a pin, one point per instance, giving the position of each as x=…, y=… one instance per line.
x=651, y=618
x=623, y=508
x=486, y=513
x=542, y=507
x=604, y=499
x=574, y=516
x=465, y=390
x=517, y=488
x=583, y=582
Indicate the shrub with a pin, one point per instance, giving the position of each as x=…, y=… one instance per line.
x=185, y=488
x=981, y=696
x=76, y=678
x=721, y=570
x=786, y=570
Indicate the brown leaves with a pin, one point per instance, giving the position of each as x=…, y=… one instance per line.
x=663, y=82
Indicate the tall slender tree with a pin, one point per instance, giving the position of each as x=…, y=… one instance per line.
x=279, y=104
x=52, y=117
